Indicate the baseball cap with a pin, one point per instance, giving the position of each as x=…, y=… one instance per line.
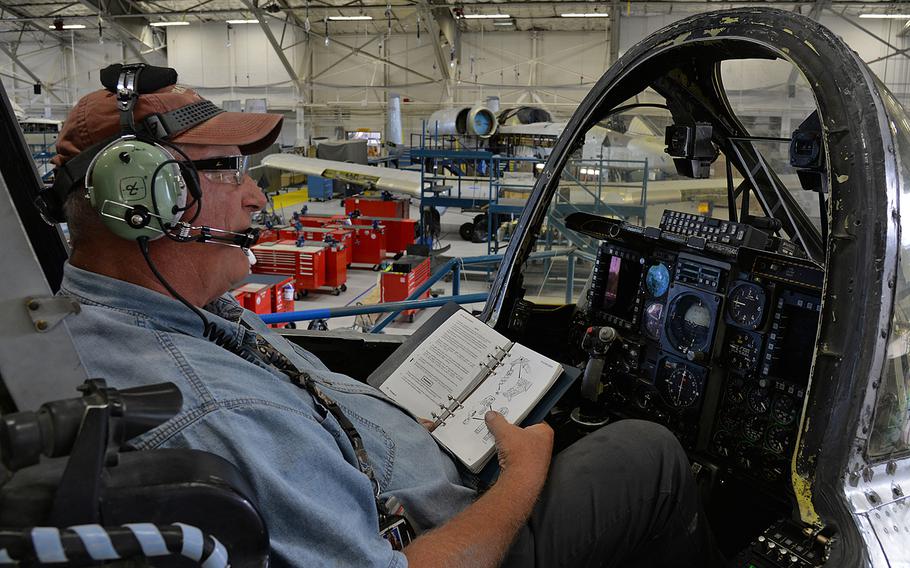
x=96, y=117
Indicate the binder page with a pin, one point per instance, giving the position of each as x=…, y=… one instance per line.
x=513, y=389
x=443, y=365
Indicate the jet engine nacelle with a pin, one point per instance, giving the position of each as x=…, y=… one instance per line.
x=475, y=121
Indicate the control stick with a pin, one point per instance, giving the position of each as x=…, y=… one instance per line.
x=596, y=342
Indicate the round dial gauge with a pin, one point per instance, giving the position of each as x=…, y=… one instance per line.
x=681, y=388
x=784, y=409
x=778, y=439
x=689, y=323
x=653, y=314
x=728, y=422
x=753, y=429
x=645, y=399
x=758, y=400
x=742, y=352
x=658, y=280
x=723, y=444
x=746, y=305
x=735, y=390
x=747, y=457
x=774, y=471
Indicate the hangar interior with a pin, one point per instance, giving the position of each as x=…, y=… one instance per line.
x=668, y=211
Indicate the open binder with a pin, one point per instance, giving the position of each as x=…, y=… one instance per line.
x=455, y=368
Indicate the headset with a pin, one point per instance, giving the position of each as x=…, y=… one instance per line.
x=142, y=185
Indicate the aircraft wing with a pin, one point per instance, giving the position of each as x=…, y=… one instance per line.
x=384, y=179
x=553, y=129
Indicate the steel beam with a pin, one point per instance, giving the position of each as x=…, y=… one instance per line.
x=23, y=17
x=28, y=71
x=429, y=16
x=374, y=58
x=349, y=55
x=138, y=20
x=615, y=13
x=267, y=30
x=869, y=33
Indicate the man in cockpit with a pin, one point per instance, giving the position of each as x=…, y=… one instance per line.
x=323, y=452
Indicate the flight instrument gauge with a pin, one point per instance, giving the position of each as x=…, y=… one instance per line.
x=689, y=323
x=652, y=319
x=681, y=388
x=784, y=409
x=778, y=439
x=758, y=399
x=753, y=429
x=746, y=305
x=742, y=351
x=658, y=280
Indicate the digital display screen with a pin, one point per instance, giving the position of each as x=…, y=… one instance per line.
x=621, y=287
x=794, y=348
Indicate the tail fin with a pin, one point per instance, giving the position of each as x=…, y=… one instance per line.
x=638, y=127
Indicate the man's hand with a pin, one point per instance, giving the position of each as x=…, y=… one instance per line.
x=522, y=452
x=480, y=535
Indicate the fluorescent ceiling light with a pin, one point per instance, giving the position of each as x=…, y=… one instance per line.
x=243, y=21
x=69, y=27
x=350, y=18
x=166, y=24
x=503, y=23
x=585, y=15
x=886, y=16
x=486, y=16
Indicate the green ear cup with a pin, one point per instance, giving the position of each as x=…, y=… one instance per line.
x=120, y=186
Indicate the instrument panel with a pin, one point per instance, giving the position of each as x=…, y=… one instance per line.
x=716, y=347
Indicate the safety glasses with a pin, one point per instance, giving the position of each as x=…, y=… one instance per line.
x=225, y=169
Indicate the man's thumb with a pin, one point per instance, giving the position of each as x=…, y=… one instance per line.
x=495, y=422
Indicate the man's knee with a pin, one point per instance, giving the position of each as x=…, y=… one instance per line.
x=651, y=447
x=652, y=435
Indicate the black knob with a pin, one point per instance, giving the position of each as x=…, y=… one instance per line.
x=695, y=356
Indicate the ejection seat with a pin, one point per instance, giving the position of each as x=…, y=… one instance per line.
x=106, y=503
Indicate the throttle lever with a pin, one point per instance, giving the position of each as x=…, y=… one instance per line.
x=596, y=342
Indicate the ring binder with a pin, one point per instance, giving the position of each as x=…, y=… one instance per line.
x=498, y=356
x=456, y=365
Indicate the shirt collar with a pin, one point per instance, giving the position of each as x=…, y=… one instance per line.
x=93, y=288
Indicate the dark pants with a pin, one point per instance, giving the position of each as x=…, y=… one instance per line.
x=622, y=496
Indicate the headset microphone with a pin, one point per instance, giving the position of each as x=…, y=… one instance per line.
x=245, y=239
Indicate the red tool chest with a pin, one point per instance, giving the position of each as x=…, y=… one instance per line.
x=399, y=233
x=255, y=297
x=281, y=302
x=336, y=265
x=316, y=220
x=406, y=275
x=342, y=235
x=306, y=264
x=269, y=235
x=397, y=207
x=369, y=245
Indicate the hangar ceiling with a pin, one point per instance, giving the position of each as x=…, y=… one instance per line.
x=119, y=18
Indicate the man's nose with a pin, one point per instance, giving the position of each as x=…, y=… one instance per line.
x=253, y=196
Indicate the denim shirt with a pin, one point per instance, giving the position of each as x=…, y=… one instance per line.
x=318, y=506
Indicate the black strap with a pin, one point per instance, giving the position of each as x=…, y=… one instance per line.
x=169, y=124
x=67, y=178
x=268, y=354
x=153, y=78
